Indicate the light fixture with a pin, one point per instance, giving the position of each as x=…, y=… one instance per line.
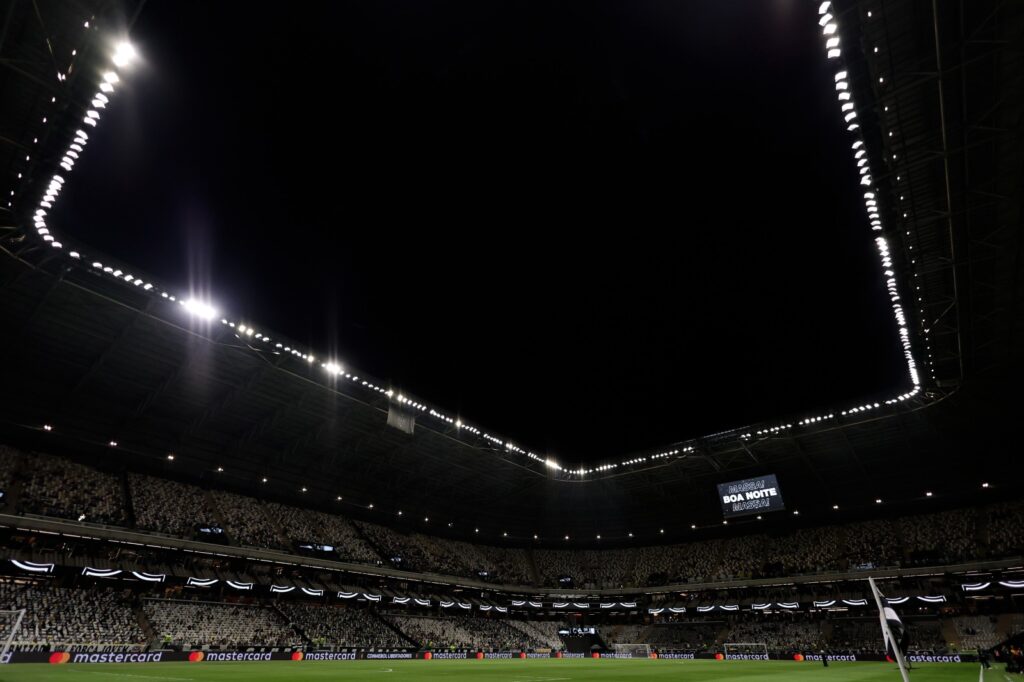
x=124, y=54
x=201, y=310
x=113, y=444
x=170, y=456
x=928, y=494
x=47, y=427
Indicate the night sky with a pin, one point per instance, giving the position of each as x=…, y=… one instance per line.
x=590, y=227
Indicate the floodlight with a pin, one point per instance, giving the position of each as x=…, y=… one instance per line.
x=124, y=54
x=200, y=309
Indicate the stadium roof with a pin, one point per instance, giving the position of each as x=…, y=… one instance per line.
x=107, y=359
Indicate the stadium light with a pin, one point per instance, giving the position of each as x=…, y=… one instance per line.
x=124, y=54
x=201, y=310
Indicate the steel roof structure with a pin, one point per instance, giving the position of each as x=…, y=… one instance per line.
x=940, y=101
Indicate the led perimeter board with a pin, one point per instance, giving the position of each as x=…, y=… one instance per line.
x=750, y=496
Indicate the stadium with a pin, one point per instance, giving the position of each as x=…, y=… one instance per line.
x=511, y=341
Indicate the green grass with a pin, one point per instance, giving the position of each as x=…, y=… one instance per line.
x=496, y=671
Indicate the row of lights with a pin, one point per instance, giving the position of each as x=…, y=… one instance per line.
x=830, y=29
x=124, y=54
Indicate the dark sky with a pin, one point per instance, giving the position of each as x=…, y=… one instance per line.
x=591, y=227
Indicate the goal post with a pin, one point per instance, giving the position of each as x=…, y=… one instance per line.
x=757, y=651
x=632, y=650
x=10, y=623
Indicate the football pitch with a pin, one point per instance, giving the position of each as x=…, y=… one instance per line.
x=496, y=671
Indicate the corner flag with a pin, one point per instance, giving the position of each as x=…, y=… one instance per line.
x=893, y=632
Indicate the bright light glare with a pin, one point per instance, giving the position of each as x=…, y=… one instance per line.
x=124, y=54
x=200, y=309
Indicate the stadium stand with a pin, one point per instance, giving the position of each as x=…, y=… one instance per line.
x=473, y=633
x=540, y=633
x=245, y=521
x=692, y=636
x=340, y=533
x=54, y=487
x=340, y=627
x=201, y=624
x=57, y=487
x=167, y=506
x=74, y=619
x=977, y=631
x=778, y=635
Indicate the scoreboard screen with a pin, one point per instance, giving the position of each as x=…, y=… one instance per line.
x=750, y=496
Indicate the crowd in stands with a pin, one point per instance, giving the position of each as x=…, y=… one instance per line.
x=246, y=522
x=197, y=624
x=977, y=631
x=52, y=486
x=74, y=618
x=541, y=633
x=778, y=635
x=342, y=535
x=341, y=627
x=691, y=636
x=167, y=506
x=9, y=460
x=1004, y=528
x=57, y=487
x=463, y=632
x=93, y=618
